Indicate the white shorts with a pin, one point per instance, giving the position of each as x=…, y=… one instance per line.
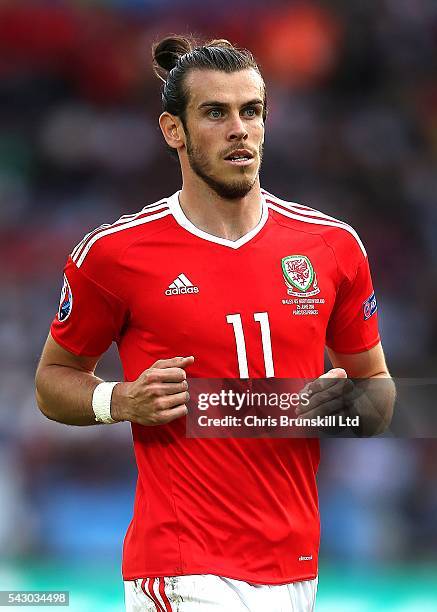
x=210, y=593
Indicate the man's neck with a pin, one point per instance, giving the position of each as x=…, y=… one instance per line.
x=229, y=219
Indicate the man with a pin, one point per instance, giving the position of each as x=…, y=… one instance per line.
x=212, y=282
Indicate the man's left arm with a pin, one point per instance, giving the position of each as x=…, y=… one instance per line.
x=358, y=385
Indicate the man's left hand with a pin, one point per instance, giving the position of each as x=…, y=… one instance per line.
x=326, y=394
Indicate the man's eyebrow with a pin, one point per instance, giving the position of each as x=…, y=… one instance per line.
x=216, y=103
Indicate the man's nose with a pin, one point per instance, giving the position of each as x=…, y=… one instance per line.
x=237, y=129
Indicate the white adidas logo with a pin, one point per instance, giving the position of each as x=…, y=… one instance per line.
x=180, y=285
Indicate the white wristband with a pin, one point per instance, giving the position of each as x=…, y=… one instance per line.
x=102, y=402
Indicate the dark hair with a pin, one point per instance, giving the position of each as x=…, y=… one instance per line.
x=175, y=56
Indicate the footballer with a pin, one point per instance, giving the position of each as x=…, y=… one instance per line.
x=221, y=279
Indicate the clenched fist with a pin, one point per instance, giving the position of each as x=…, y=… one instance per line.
x=327, y=394
x=159, y=394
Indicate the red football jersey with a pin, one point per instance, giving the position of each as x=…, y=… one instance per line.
x=265, y=305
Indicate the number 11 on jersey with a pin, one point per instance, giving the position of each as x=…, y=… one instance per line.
x=263, y=319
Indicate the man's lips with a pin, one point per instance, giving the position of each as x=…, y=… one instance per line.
x=239, y=153
x=240, y=157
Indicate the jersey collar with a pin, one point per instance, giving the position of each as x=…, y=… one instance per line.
x=184, y=222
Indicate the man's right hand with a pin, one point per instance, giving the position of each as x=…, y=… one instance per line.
x=158, y=396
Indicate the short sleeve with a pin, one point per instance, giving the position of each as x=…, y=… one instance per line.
x=89, y=317
x=353, y=325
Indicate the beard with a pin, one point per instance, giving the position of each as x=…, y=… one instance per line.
x=228, y=190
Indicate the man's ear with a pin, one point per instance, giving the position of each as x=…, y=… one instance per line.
x=172, y=130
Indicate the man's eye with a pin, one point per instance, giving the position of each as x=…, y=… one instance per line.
x=215, y=113
x=250, y=111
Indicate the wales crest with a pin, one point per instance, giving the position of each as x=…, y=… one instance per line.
x=299, y=276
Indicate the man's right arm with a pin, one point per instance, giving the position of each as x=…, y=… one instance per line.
x=65, y=384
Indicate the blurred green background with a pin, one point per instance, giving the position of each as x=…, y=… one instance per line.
x=97, y=586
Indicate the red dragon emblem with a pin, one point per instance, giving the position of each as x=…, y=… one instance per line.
x=299, y=275
x=298, y=270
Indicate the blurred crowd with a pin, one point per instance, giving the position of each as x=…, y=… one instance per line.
x=351, y=130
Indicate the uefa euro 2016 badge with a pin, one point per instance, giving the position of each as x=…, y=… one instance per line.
x=66, y=301
x=370, y=306
x=299, y=276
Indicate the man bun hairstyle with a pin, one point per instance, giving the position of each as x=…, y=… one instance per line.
x=167, y=52
x=174, y=56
